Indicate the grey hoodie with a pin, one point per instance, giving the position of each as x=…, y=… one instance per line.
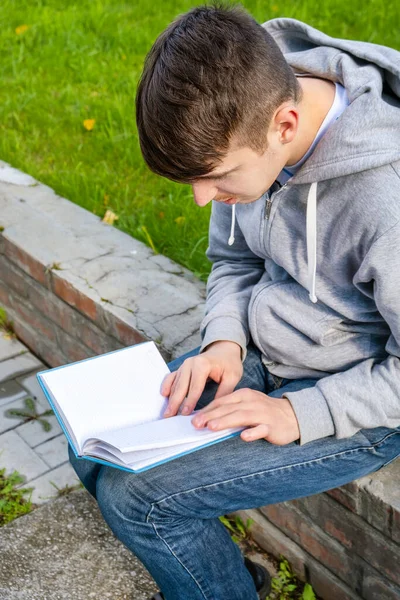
x=313, y=276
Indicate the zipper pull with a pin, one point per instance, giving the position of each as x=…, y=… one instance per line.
x=268, y=202
x=268, y=205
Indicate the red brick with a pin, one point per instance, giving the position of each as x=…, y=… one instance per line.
x=303, y=531
x=48, y=352
x=126, y=334
x=95, y=339
x=72, y=348
x=27, y=336
x=14, y=278
x=67, y=292
x=25, y=261
x=354, y=533
x=348, y=500
x=5, y=298
x=35, y=320
x=375, y=587
x=396, y=526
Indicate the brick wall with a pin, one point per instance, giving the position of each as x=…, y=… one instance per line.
x=75, y=287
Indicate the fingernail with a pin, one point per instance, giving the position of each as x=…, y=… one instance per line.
x=167, y=412
x=185, y=411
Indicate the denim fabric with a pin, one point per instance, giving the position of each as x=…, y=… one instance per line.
x=168, y=516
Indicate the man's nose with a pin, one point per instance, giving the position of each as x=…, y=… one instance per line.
x=203, y=193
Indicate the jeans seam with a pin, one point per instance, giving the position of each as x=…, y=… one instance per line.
x=148, y=520
x=277, y=469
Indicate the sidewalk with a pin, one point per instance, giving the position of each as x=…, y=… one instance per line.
x=40, y=456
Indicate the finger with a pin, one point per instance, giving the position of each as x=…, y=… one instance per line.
x=167, y=383
x=179, y=388
x=198, y=381
x=235, y=398
x=223, y=417
x=255, y=433
x=226, y=386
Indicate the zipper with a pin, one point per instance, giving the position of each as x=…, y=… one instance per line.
x=268, y=207
x=269, y=200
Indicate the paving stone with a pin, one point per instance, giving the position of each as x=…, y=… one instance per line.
x=65, y=551
x=54, y=452
x=14, y=367
x=15, y=454
x=7, y=423
x=45, y=487
x=31, y=384
x=34, y=434
x=9, y=391
x=10, y=347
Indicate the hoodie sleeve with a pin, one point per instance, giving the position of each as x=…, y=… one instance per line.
x=236, y=269
x=367, y=395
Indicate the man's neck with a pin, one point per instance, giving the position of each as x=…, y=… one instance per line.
x=318, y=97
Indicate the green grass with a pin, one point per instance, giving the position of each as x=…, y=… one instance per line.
x=81, y=59
x=12, y=501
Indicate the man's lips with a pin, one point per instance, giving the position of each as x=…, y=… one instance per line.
x=229, y=201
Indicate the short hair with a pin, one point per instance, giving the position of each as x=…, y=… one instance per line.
x=213, y=76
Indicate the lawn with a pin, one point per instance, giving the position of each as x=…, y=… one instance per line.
x=66, y=62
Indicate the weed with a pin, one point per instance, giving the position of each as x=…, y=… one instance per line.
x=67, y=489
x=287, y=587
x=240, y=531
x=12, y=501
x=29, y=413
x=6, y=326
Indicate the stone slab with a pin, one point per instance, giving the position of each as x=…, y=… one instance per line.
x=15, y=454
x=54, y=452
x=31, y=384
x=10, y=390
x=34, y=434
x=10, y=347
x=45, y=487
x=14, y=367
x=65, y=551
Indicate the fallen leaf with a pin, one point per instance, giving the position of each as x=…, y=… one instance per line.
x=161, y=214
x=109, y=217
x=89, y=124
x=21, y=29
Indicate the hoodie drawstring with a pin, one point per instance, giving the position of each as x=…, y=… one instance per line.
x=311, y=227
x=311, y=233
x=232, y=236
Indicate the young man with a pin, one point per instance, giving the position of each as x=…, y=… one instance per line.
x=294, y=137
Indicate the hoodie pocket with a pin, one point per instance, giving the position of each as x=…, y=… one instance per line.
x=291, y=330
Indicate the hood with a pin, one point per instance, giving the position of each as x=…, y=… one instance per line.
x=366, y=135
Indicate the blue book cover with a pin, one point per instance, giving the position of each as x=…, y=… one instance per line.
x=111, y=410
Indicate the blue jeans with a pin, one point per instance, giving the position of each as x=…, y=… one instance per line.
x=168, y=516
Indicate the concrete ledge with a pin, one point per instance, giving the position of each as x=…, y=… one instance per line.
x=65, y=551
x=76, y=287
x=84, y=286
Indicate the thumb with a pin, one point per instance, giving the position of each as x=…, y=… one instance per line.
x=255, y=433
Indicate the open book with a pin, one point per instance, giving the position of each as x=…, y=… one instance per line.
x=111, y=410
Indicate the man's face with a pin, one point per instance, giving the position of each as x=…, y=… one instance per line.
x=250, y=176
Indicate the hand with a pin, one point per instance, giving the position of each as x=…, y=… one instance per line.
x=221, y=362
x=272, y=419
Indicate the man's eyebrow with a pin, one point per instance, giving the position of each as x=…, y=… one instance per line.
x=218, y=175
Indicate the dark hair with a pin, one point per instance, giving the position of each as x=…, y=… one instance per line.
x=213, y=75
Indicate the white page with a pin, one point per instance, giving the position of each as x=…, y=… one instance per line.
x=163, y=433
x=110, y=391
